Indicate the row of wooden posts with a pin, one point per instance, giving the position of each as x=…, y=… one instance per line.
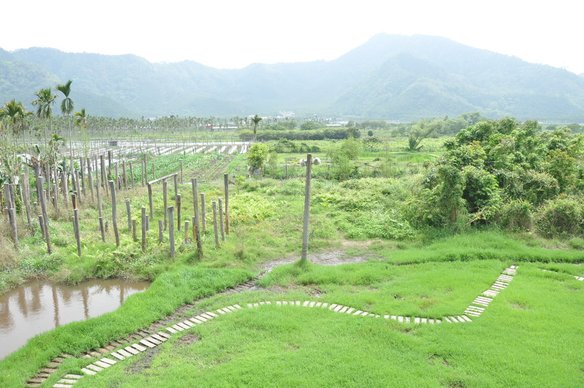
x=79, y=187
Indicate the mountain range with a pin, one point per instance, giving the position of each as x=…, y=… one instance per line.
x=389, y=77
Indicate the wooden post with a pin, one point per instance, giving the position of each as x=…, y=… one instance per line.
x=171, y=229
x=197, y=238
x=147, y=223
x=74, y=200
x=186, y=232
x=26, y=197
x=114, y=212
x=181, y=173
x=165, y=201
x=215, y=232
x=100, y=209
x=143, y=228
x=45, y=232
x=90, y=177
x=178, y=218
x=226, y=187
x=160, y=230
x=42, y=199
x=175, y=179
x=82, y=175
x=103, y=174
x=221, y=228
x=78, y=183
x=76, y=228
x=150, y=203
x=131, y=176
x=129, y=214
x=134, y=232
x=144, y=172
x=56, y=195
x=13, y=227
x=124, y=177
x=109, y=164
x=117, y=179
x=203, y=213
x=306, y=208
x=195, y=201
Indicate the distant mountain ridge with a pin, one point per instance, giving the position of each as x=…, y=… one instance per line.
x=389, y=77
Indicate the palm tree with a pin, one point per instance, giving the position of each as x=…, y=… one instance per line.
x=81, y=122
x=66, y=109
x=44, y=102
x=256, y=120
x=15, y=112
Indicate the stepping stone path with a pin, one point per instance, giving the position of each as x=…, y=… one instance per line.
x=580, y=278
x=145, y=340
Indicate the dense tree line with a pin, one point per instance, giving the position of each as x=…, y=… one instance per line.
x=509, y=173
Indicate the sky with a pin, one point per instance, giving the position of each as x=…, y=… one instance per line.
x=234, y=34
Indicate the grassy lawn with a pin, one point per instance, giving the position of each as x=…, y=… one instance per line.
x=531, y=335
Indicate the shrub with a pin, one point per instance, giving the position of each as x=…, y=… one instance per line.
x=560, y=217
x=516, y=215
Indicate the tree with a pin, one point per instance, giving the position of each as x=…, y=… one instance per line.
x=257, y=156
x=44, y=102
x=256, y=120
x=417, y=134
x=14, y=112
x=66, y=109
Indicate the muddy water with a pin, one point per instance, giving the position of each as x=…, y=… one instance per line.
x=40, y=306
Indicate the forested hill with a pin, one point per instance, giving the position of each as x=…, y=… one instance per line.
x=390, y=77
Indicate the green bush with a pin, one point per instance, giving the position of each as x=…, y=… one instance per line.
x=561, y=217
x=516, y=215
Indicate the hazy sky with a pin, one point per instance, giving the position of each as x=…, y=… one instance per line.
x=231, y=33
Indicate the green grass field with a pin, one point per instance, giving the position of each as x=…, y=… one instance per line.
x=532, y=334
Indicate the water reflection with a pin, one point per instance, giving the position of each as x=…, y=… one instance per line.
x=40, y=306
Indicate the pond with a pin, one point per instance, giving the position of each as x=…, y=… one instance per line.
x=39, y=306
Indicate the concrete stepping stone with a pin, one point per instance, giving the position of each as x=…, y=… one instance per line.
x=159, y=338
x=153, y=340
x=138, y=347
x=131, y=350
x=207, y=315
x=424, y=320
x=201, y=318
x=171, y=330
x=297, y=303
x=118, y=356
x=196, y=321
x=400, y=318
x=306, y=303
x=311, y=304
x=108, y=361
x=102, y=364
x=163, y=335
x=349, y=311
x=188, y=323
x=182, y=326
x=324, y=305
x=417, y=320
x=94, y=368
x=147, y=344
x=125, y=353
x=318, y=304
x=88, y=372
x=62, y=385
x=177, y=327
x=72, y=376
